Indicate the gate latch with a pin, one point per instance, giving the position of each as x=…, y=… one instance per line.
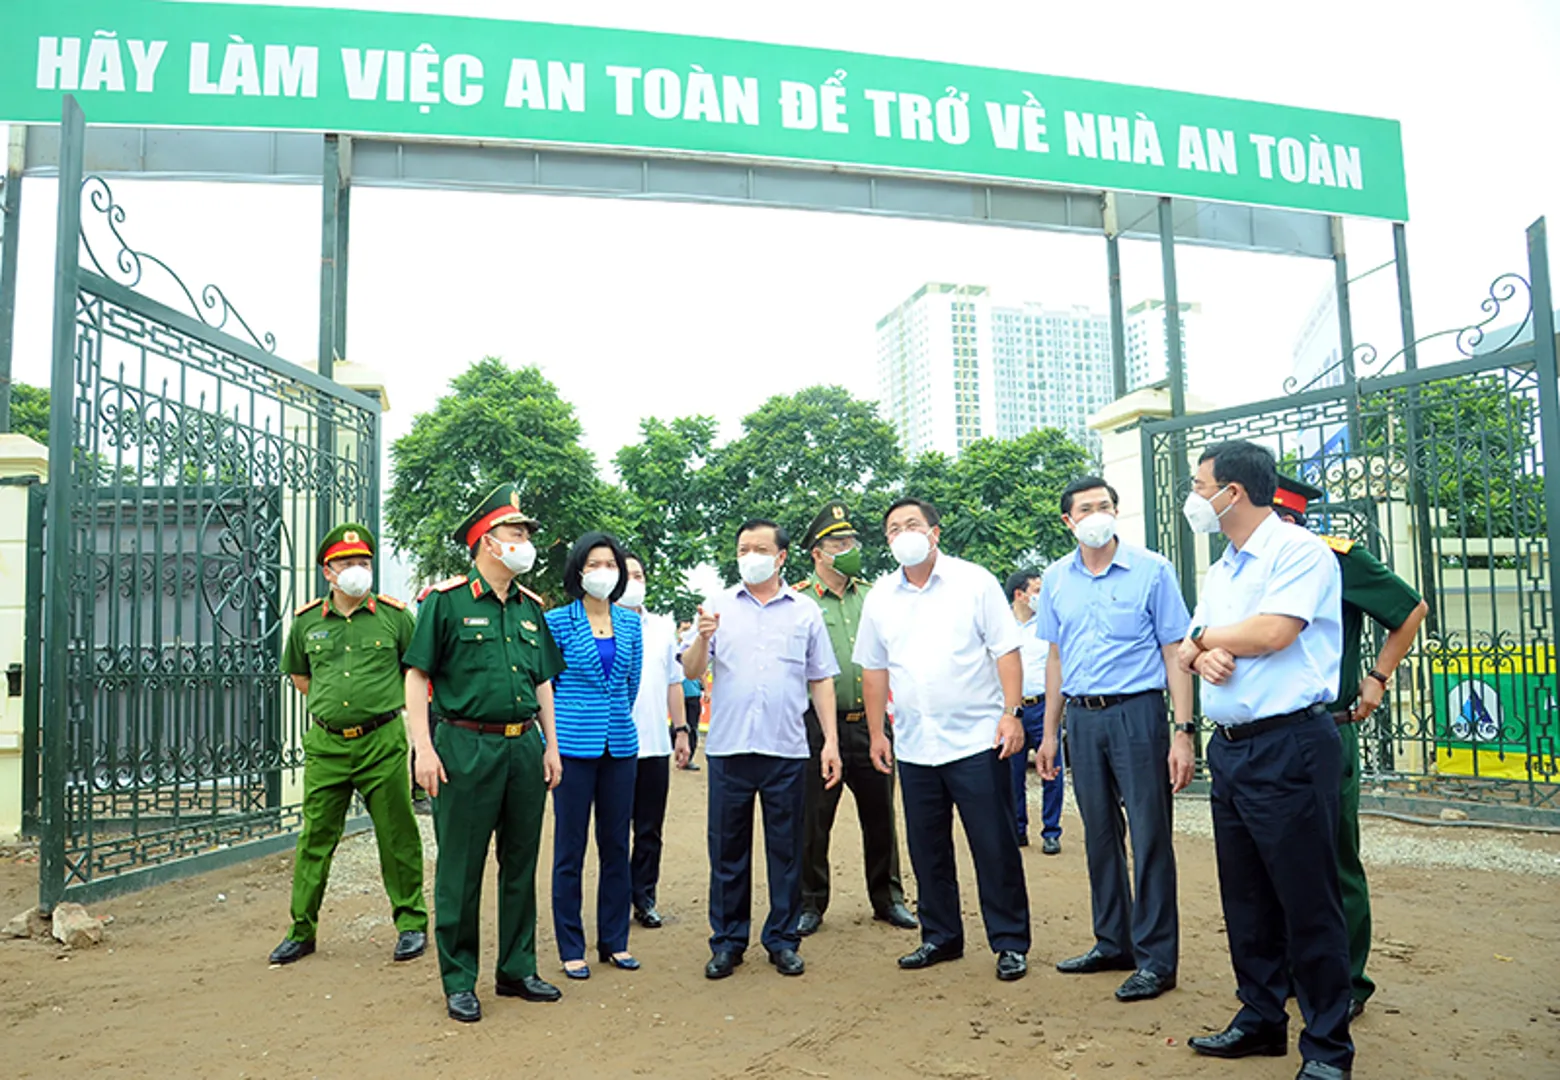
x=13, y=680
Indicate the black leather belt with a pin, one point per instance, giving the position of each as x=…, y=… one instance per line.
x=1105, y=701
x=509, y=731
x=850, y=717
x=1033, y=699
x=1237, y=732
x=357, y=731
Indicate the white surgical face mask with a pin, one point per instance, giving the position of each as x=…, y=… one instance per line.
x=756, y=567
x=911, y=548
x=1201, y=515
x=600, y=582
x=518, y=558
x=1095, y=530
x=633, y=594
x=355, y=580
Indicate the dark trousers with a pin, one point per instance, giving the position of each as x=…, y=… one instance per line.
x=874, y=795
x=1050, y=790
x=1275, y=828
x=979, y=786
x=1119, y=759
x=650, y=788
x=607, y=783
x=736, y=781
x=693, y=708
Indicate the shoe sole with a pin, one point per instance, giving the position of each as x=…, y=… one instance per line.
x=402, y=958
x=1012, y=976
x=724, y=973
x=1269, y=1051
x=931, y=963
x=1143, y=997
x=291, y=959
x=502, y=991
x=465, y=1019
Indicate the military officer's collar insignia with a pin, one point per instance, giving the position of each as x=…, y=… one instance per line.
x=528, y=624
x=475, y=620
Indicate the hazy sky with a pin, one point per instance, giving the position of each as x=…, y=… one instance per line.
x=643, y=308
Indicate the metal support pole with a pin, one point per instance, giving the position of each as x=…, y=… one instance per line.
x=59, y=546
x=1176, y=364
x=10, y=247
x=1548, y=372
x=1118, y=321
x=1429, y=581
x=1345, y=332
x=335, y=184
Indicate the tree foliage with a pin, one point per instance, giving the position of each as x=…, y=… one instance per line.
x=498, y=424
x=666, y=491
x=30, y=412
x=1000, y=499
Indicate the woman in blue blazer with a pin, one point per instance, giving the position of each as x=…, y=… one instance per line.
x=594, y=705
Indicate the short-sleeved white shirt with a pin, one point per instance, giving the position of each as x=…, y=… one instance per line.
x=661, y=670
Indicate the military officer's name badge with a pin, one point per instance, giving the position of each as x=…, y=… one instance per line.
x=319, y=635
x=475, y=620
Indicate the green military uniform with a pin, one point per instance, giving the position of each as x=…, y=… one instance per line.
x=873, y=791
x=486, y=655
x=1369, y=588
x=355, y=742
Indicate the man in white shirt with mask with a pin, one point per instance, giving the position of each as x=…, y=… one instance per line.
x=659, y=703
x=939, y=634
x=1022, y=587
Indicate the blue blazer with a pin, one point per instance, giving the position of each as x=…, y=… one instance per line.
x=595, y=712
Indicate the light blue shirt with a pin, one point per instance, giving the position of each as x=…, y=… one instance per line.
x=1282, y=570
x=763, y=656
x=1111, y=627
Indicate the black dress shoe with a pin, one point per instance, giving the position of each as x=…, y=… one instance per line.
x=648, y=917
x=290, y=950
x=1232, y=1042
x=1050, y=846
x=1316, y=1070
x=1093, y=961
x=898, y=915
x=809, y=923
x=464, y=1006
x=1355, y=1008
x=787, y=961
x=928, y=954
x=531, y=988
x=410, y=945
x=1011, y=965
x=1143, y=985
x=1023, y=839
x=722, y=964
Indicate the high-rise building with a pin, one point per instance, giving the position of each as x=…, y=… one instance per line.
x=1148, y=343
x=954, y=367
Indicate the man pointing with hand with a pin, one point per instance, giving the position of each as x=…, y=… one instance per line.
x=769, y=648
x=940, y=635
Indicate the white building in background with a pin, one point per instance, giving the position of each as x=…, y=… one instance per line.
x=954, y=367
x=1148, y=343
x=1316, y=354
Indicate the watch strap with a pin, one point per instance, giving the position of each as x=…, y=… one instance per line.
x=1378, y=676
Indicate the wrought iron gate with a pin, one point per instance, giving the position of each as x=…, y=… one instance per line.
x=191, y=474
x=1440, y=471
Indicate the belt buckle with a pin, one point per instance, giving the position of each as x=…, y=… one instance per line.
x=352, y=732
x=512, y=730
x=1094, y=701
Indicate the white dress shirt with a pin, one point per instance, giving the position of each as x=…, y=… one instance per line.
x=661, y=670
x=1034, y=649
x=940, y=646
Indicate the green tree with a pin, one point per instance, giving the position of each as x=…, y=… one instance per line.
x=30, y=411
x=795, y=453
x=1000, y=499
x=498, y=424
x=667, y=489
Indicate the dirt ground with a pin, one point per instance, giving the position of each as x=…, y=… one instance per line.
x=1467, y=958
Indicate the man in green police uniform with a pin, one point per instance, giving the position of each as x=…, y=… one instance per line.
x=344, y=652
x=1369, y=588
x=836, y=587
x=492, y=755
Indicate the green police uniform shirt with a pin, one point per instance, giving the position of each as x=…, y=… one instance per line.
x=353, y=662
x=1369, y=588
x=486, y=657
x=841, y=617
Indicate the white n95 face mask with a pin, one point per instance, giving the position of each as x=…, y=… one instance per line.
x=1201, y=515
x=1095, y=530
x=599, y=583
x=633, y=594
x=756, y=567
x=911, y=548
x=355, y=581
x=517, y=558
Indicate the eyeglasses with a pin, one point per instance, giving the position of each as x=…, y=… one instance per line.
x=913, y=525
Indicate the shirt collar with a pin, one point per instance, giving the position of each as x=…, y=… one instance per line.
x=937, y=572
x=480, y=588
x=816, y=584
x=1119, y=558
x=1256, y=545
x=367, y=605
x=785, y=593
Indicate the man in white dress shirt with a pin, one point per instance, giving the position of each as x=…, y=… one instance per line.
x=1022, y=588
x=940, y=636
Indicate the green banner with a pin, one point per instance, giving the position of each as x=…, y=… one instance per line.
x=152, y=64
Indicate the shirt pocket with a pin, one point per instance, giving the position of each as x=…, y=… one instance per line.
x=1124, y=619
x=322, y=650
x=794, y=650
x=477, y=635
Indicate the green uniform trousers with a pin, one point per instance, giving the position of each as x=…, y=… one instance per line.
x=374, y=766
x=1351, y=873
x=495, y=785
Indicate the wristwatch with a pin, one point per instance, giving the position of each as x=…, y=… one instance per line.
x=1197, y=633
x=680, y=729
x=1378, y=676
x=1187, y=728
x=1014, y=711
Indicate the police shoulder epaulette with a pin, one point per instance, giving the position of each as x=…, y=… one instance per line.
x=800, y=586
x=310, y=604
x=449, y=583
x=1339, y=544
x=539, y=601
x=392, y=601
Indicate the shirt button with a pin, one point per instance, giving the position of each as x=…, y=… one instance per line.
x=344, y=704
x=512, y=667
x=349, y=648
x=344, y=674
x=479, y=637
